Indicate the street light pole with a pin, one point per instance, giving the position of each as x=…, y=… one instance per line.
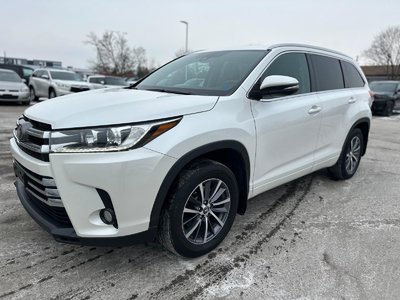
x=187, y=36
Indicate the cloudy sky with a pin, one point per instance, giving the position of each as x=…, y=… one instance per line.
x=56, y=30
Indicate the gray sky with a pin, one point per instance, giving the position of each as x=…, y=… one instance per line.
x=56, y=30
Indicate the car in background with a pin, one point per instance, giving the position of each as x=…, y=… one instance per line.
x=132, y=80
x=22, y=71
x=51, y=83
x=102, y=81
x=386, y=96
x=12, y=87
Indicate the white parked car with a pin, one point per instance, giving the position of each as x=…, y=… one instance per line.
x=12, y=87
x=178, y=155
x=51, y=83
x=102, y=81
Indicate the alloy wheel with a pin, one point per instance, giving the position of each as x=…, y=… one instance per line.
x=206, y=211
x=353, y=155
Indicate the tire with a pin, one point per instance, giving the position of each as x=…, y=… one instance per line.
x=186, y=233
x=52, y=93
x=350, y=156
x=26, y=102
x=388, y=109
x=32, y=94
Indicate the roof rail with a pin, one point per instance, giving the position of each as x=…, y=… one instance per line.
x=308, y=46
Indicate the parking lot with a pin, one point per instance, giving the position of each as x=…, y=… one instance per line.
x=311, y=238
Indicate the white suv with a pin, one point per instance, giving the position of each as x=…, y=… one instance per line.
x=177, y=155
x=51, y=83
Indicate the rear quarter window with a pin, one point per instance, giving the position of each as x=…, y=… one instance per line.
x=352, y=77
x=328, y=73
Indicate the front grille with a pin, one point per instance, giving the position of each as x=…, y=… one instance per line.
x=43, y=195
x=77, y=89
x=32, y=137
x=8, y=97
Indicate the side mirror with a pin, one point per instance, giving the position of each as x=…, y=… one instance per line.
x=24, y=80
x=279, y=85
x=44, y=76
x=102, y=82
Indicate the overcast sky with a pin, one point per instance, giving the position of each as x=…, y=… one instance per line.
x=56, y=30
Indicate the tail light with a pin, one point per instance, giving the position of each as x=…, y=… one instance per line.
x=371, y=97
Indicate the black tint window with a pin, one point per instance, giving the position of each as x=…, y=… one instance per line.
x=293, y=65
x=352, y=77
x=328, y=73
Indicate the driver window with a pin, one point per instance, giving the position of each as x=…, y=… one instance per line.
x=293, y=65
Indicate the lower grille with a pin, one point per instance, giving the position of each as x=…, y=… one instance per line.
x=43, y=195
x=76, y=89
x=8, y=97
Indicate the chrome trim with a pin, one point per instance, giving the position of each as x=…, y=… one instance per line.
x=49, y=202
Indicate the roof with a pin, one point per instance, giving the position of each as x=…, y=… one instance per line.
x=281, y=45
x=57, y=70
x=7, y=70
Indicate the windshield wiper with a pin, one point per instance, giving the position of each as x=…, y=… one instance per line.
x=168, y=91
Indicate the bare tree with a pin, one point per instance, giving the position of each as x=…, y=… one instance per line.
x=113, y=55
x=385, y=50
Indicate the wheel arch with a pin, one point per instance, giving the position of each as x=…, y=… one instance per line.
x=231, y=153
x=364, y=125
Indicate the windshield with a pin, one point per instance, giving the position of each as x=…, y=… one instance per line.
x=115, y=81
x=388, y=87
x=217, y=73
x=64, y=75
x=9, y=76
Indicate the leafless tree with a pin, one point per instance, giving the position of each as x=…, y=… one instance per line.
x=385, y=50
x=113, y=55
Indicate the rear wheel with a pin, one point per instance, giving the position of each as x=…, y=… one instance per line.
x=350, y=157
x=200, y=210
x=388, y=108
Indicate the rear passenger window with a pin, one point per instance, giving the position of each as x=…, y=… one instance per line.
x=352, y=77
x=293, y=65
x=328, y=73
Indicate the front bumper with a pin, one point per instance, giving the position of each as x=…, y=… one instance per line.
x=379, y=105
x=131, y=178
x=14, y=96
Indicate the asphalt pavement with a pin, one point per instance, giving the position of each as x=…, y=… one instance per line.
x=313, y=238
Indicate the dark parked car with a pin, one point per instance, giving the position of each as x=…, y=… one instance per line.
x=23, y=71
x=387, y=96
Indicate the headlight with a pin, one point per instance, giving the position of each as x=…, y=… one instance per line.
x=62, y=85
x=24, y=89
x=108, y=139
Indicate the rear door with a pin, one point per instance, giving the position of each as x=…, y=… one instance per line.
x=336, y=103
x=287, y=127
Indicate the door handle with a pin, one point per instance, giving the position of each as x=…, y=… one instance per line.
x=352, y=100
x=314, y=109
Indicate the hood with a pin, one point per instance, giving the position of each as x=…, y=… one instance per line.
x=7, y=85
x=115, y=106
x=72, y=82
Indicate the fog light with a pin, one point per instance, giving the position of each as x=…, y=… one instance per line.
x=107, y=215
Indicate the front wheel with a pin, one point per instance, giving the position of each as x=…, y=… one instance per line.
x=32, y=94
x=350, y=157
x=52, y=94
x=200, y=209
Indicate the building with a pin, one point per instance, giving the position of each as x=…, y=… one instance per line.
x=377, y=73
x=30, y=62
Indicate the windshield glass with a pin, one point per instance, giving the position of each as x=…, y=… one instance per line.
x=64, y=75
x=217, y=73
x=9, y=76
x=388, y=87
x=115, y=81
